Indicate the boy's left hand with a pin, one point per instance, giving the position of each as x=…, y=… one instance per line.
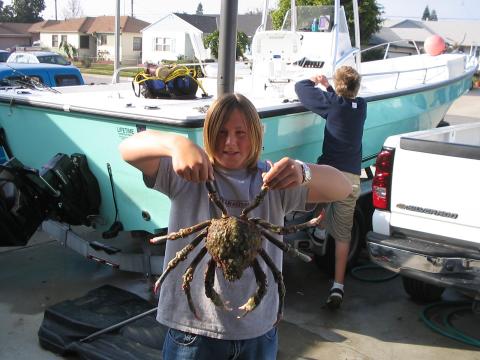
x=283, y=174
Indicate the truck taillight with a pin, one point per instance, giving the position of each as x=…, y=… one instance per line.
x=381, y=185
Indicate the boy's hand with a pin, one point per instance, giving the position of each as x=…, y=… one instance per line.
x=320, y=79
x=283, y=174
x=191, y=162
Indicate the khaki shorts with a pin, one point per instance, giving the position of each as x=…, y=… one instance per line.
x=339, y=214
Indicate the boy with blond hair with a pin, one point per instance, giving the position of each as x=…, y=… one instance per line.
x=345, y=115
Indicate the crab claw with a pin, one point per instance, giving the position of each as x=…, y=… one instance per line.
x=159, y=239
x=156, y=287
x=249, y=306
x=279, y=318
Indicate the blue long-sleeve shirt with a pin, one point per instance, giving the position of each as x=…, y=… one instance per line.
x=342, y=142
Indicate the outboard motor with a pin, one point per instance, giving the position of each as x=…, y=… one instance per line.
x=64, y=190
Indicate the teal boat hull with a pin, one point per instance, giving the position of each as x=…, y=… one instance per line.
x=37, y=133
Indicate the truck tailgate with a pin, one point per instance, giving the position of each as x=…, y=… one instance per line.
x=440, y=191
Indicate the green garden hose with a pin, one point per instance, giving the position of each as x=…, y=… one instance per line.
x=448, y=329
x=355, y=273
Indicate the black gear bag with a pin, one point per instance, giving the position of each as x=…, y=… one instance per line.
x=64, y=190
x=23, y=205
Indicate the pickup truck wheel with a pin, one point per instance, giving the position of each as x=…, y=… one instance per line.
x=326, y=262
x=422, y=291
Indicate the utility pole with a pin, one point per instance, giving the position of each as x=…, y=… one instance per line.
x=132, y=8
x=116, y=63
x=227, y=47
x=56, y=10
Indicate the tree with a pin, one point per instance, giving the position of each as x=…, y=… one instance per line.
x=426, y=14
x=72, y=10
x=433, y=15
x=69, y=50
x=28, y=11
x=199, y=9
x=369, y=13
x=212, y=42
x=6, y=13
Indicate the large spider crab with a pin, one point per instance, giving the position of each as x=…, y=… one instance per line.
x=233, y=244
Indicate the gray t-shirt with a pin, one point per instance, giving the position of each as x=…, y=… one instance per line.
x=189, y=206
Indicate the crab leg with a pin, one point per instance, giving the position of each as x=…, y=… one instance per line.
x=180, y=233
x=278, y=276
x=209, y=290
x=289, y=249
x=255, y=300
x=213, y=196
x=284, y=230
x=258, y=199
x=179, y=256
x=188, y=277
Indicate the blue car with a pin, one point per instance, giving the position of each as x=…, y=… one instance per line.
x=46, y=74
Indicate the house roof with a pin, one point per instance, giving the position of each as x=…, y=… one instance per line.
x=205, y=23
x=247, y=23
x=99, y=24
x=14, y=29
x=36, y=27
x=463, y=32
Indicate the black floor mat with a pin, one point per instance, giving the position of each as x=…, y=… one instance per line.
x=65, y=323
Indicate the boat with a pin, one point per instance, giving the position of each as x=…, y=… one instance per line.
x=403, y=94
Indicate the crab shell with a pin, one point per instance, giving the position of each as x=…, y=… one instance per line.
x=233, y=243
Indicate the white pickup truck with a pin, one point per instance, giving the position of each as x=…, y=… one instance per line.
x=426, y=223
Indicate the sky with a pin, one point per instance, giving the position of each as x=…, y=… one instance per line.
x=152, y=10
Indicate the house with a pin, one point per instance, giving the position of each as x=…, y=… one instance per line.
x=181, y=35
x=94, y=37
x=460, y=35
x=15, y=34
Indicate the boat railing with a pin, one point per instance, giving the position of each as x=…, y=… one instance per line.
x=116, y=73
x=387, y=44
x=398, y=73
x=348, y=55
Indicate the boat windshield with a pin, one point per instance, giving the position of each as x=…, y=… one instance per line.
x=311, y=18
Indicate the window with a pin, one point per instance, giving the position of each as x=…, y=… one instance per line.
x=67, y=80
x=137, y=44
x=64, y=39
x=19, y=80
x=54, y=40
x=84, y=42
x=102, y=39
x=53, y=59
x=164, y=44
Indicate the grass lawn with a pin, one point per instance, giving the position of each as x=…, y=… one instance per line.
x=104, y=69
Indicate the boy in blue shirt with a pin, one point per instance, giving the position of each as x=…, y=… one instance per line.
x=345, y=115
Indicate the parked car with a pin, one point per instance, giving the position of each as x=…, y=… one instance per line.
x=4, y=54
x=46, y=74
x=35, y=57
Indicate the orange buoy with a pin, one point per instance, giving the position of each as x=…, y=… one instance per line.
x=434, y=45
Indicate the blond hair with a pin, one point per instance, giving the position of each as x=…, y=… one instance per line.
x=219, y=113
x=347, y=82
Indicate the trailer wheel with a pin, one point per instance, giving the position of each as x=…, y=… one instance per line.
x=326, y=262
x=422, y=291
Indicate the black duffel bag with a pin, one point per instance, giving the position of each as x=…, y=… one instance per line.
x=77, y=192
x=64, y=190
x=23, y=204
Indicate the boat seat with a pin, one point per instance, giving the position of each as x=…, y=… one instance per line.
x=273, y=50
